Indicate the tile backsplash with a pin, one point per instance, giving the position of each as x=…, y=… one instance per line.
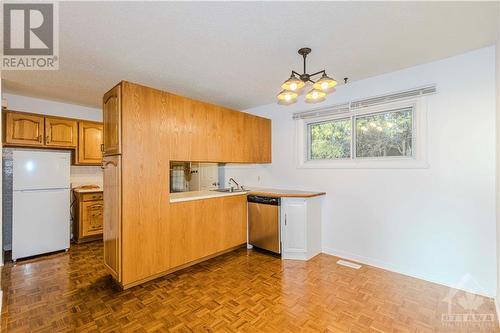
x=86, y=175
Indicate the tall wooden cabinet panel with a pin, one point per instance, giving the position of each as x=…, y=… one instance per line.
x=111, y=112
x=23, y=129
x=112, y=214
x=89, y=143
x=145, y=196
x=61, y=132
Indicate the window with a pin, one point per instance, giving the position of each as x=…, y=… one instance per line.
x=330, y=139
x=384, y=136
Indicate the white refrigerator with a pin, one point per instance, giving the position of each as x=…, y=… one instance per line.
x=41, y=202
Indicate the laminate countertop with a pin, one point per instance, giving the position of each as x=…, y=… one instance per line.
x=87, y=190
x=271, y=192
x=200, y=195
x=265, y=192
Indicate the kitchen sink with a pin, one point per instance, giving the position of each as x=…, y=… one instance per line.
x=229, y=190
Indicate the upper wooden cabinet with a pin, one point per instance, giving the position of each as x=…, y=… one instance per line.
x=111, y=112
x=183, y=128
x=61, y=132
x=89, y=143
x=23, y=129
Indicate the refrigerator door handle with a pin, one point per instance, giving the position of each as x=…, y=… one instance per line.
x=44, y=190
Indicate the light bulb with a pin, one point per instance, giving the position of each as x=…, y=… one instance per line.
x=324, y=85
x=293, y=84
x=315, y=96
x=286, y=97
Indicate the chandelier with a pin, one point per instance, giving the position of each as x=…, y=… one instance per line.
x=295, y=85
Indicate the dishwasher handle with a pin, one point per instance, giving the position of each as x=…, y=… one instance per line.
x=264, y=200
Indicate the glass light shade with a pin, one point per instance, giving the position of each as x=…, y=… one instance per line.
x=287, y=97
x=315, y=96
x=325, y=84
x=293, y=84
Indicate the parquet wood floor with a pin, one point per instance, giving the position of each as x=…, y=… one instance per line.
x=236, y=292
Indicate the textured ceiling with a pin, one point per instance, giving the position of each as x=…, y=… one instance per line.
x=237, y=54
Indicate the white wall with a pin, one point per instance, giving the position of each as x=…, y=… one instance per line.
x=52, y=108
x=437, y=223
x=79, y=174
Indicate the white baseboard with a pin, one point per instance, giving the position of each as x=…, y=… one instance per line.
x=389, y=267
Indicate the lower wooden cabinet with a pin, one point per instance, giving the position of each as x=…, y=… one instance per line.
x=202, y=228
x=88, y=216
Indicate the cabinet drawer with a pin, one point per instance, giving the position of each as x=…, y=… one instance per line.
x=91, y=196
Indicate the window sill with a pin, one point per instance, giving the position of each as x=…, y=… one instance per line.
x=366, y=164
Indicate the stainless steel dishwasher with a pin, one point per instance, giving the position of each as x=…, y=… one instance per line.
x=264, y=223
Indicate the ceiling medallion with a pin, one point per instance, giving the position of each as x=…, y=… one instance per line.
x=295, y=85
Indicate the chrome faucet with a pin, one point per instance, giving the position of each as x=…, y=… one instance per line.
x=235, y=182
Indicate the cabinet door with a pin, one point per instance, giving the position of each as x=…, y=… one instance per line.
x=23, y=129
x=111, y=110
x=91, y=218
x=112, y=214
x=89, y=143
x=294, y=225
x=61, y=132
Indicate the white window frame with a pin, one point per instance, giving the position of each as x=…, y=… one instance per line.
x=418, y=160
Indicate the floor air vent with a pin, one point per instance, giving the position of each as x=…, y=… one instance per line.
x=348, y=264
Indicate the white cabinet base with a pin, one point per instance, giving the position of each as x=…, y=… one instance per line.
x=300, y=228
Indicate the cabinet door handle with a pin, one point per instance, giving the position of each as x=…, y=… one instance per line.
x=285, y=219
x=47, y=139
x=40, y=138
x=102, y=147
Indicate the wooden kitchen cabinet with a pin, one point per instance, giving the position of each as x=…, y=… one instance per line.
x=61, y=132
x=90, y=135
x=111, y=112
x=23, y=129
x=112, y=215
x=88, y=216
x=202, y=228
x=146, y=236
